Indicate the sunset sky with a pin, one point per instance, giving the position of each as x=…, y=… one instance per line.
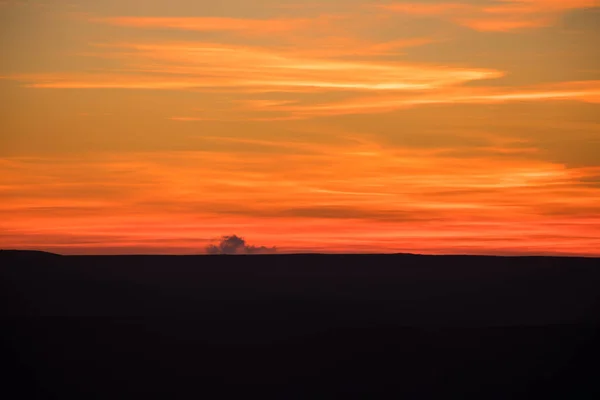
x=442, y=126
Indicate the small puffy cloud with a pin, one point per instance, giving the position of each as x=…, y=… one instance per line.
x=236, y=245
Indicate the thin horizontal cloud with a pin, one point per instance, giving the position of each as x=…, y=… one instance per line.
x=426, y=9
x=324, y=35
x=245, y=119
x=583, y=91
x=212, y=24
x=580, y=91
x=500, y=16
x=335, y=195
x=328, y=46
x=185, y=66
x=501, y=25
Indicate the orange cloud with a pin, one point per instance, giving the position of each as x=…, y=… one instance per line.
x=325, y=35
x=331, y=193
x=242, y=25
x=502, y=16
x=585, y=91
x=180, y=66
x=505, y=25
x=207, y=67
x=426, y=9
x=327, y=46
x=340, y=197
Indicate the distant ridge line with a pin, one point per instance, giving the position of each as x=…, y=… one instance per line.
x=40, y=253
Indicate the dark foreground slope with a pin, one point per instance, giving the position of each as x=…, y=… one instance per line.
x=301, y=326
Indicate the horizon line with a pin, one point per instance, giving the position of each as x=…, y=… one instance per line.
x=306, y=254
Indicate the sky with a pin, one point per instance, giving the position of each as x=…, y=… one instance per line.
x=436, y=127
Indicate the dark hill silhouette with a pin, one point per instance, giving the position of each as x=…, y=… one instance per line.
x=302, y=326
x=26, y=253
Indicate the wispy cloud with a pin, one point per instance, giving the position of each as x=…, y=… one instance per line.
x=327, y=35
x=586, y=91
x=201, y=65
x=501, y=16
x=339, y=196
x=391, y=85
x=367, y=86
x=206, y=24
x=247, y=97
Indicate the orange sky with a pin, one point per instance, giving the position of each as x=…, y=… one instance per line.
x=156, y=126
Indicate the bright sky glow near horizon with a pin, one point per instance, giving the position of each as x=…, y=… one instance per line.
x=442, y=126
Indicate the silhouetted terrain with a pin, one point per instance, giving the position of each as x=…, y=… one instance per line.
x=22, y=254
x=302, y=326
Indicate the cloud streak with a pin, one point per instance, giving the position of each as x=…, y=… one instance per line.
x=215, y=67
x=193, y=66
x=346, y=126
x=213, y=24
x=501, y=16
x=340, y=197
x=585, y=91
